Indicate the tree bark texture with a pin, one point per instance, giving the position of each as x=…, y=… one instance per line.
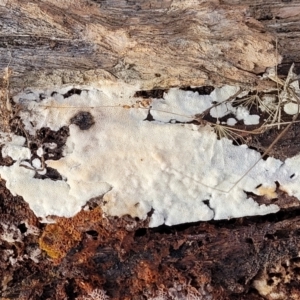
x=246, y=258
x=152, y=43
x=156, y=45
x=282, y=18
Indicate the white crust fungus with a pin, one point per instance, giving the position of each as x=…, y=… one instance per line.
x=181, y=171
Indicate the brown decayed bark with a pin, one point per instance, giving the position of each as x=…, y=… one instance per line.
x=225, y=259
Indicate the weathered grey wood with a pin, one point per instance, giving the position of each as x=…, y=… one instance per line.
x=282, y=18
x=153, y=43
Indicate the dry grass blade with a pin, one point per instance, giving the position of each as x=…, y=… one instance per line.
x=286, y=87
x=227, y=132
x=255, y=101
x=286, y=93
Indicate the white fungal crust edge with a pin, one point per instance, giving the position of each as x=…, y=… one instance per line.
x=181, y=171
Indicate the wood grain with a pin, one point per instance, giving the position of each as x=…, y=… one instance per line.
x=155, y=44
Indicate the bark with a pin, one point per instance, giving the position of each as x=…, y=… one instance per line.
x=282, y=18
x=150, y=43
x=247, y=258
x=153, y=44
